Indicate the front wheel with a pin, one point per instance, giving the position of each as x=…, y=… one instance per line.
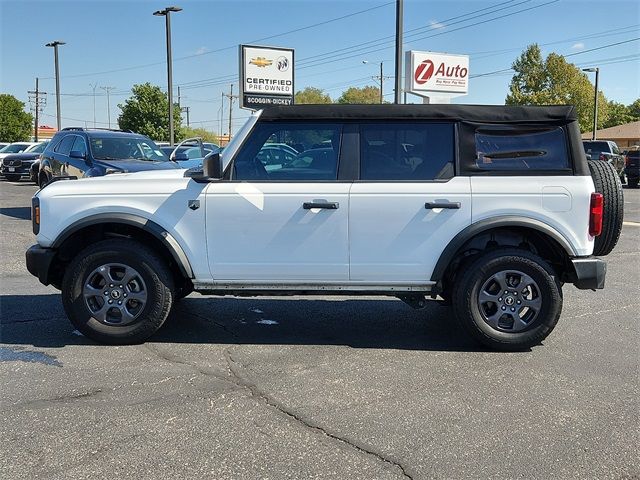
x=117, y=292
x=508, y=299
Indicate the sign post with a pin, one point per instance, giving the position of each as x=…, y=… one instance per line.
x=437, y=77
x=266, y=76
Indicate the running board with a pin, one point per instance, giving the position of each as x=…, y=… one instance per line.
x=241, y=288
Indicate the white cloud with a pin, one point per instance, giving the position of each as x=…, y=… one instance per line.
x=436, y=24
x=578, y=46
x=201, y=50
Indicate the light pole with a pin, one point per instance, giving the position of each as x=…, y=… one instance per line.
x=380, y=78
x=55, y=44
x=166, y=13
x=595, y=100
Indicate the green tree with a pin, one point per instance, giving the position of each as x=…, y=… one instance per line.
x=619, y=114
x=360, y=95
x=147, y=112
x=634, y=110
x=15, y=124
x=207, y=136
x=312, y=95
x=554, y=81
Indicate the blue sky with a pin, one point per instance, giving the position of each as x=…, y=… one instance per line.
x=120, y=43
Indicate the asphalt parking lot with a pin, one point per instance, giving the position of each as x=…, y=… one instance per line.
x=316, y=387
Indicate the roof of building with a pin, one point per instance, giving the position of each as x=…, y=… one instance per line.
x=471, y=113
x=630, y=131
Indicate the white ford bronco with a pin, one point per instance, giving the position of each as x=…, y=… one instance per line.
x=490, y=209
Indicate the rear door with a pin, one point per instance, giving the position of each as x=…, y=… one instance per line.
x=287, y=223
x=408, y=204
x=60, y=155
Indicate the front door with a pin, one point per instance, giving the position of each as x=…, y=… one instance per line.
x=283, y=222
x=408, y=204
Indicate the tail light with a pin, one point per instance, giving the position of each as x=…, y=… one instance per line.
x=602, y=157
x=595, y=214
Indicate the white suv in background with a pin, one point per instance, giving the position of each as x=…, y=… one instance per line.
x=489, y=208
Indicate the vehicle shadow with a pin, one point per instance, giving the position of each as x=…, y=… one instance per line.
x=39, y=321
x=21, y=213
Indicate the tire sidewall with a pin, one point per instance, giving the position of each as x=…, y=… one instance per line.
x=478, y=272
x=158, y=293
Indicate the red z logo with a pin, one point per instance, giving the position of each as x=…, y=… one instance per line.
x=424, y=72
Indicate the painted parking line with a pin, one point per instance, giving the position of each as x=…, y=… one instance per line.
x=632, y=224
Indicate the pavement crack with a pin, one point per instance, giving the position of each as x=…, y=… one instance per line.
x=235, y=366
x=208, y=320
x=45, y=402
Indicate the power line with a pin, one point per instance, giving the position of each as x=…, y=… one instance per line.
x=231, y=47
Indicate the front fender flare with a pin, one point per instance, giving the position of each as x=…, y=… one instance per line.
x=145, y=224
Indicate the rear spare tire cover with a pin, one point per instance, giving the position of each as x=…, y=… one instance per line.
x=607, y=182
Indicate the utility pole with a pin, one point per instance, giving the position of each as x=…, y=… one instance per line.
x=231, y=96
x=399, y=26
x=108, y=89
x=94, y=86
x=179, y=106
x=221, y=112
x=185, y=109
x=39, y=100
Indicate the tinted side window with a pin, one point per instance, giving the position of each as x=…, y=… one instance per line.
x=521, y=149
x=269, y=153
x=79, y=145
x=64, y=147
x=406, y=151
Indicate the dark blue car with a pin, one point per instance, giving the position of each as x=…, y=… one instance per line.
x=82, y=152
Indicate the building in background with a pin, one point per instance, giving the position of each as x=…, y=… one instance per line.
x=626, y=135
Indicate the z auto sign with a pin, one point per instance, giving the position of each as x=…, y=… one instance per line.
x=266, y=76
x=437, y=72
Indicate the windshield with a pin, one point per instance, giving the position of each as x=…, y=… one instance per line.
x=14, y=148
x=39, y=148
x=126, y=148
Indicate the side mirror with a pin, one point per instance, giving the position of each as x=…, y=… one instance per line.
x=212, y=166
x=180, y=157
x=77, y=154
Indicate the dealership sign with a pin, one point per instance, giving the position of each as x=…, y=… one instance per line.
x=266, y=76
x=440, y=73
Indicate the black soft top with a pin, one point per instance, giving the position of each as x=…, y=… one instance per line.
x=468, y=113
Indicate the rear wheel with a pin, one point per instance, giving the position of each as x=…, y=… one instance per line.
x=117, y=292
x=607, y=182
x=508, y=299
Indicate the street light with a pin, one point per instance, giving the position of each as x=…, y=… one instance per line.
x=595, y=100
x=55, y=44
x=380, y=78
x=167, y=14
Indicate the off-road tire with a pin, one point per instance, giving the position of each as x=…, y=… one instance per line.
x=154, y=273
x=607, y=182
x=12, y=178
x=467, y=307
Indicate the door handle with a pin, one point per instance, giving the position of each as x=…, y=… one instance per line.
x=449, y=205
x=327, y=205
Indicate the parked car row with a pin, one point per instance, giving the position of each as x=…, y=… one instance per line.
x=82, y=152
x=624, y=162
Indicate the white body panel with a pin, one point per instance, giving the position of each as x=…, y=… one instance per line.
x=260, y=231
x=160, y=196
x=393, y=237
x=561, y=202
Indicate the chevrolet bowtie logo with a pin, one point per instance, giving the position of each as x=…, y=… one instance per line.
x=261, y=62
